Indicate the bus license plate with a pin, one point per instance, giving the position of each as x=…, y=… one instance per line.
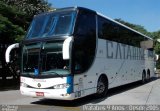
x=39, y=93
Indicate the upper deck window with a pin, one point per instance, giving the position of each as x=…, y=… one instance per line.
x=51, y=24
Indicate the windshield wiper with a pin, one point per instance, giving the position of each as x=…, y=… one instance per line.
x=28, y=74
x=59, y=75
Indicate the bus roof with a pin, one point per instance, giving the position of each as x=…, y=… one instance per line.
x=124, y=25
x=81, y=8
x=86, y=9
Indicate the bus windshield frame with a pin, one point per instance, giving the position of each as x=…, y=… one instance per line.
x=44, y=59
x=52, y=25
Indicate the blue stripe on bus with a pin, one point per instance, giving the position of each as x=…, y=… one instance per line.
x=70, y=81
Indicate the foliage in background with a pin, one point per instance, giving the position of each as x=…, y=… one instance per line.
x=16, y=15
x=8, y=31
x=31, y=7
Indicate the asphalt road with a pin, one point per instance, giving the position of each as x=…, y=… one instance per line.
x=131, y=94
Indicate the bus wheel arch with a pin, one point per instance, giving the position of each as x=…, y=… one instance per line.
x=102, y=85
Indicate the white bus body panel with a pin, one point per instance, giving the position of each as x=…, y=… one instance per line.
x=122, y=64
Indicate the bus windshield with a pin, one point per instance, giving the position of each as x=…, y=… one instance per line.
x=44, y=59
x=51, y=24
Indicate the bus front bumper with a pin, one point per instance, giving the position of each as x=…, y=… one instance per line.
x=59, y=94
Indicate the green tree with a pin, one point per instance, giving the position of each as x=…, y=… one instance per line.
x=9, y=32
x=156, y=36
x=31, y=7
x=23, y=10
x=16, y=16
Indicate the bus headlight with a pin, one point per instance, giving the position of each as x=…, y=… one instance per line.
x=61, y=86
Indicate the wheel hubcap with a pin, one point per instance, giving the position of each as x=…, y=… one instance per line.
x=100, y=87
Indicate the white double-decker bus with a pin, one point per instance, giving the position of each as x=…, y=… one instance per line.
x=74, y=52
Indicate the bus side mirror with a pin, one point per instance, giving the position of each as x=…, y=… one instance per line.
x=147, y=44
x=9, y=49
x=156, y=57
x=66, y=48
x=158, y=40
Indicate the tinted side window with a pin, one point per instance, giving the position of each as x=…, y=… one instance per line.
x=84, y=42
x=112, y=31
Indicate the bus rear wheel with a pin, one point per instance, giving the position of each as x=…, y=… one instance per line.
x=148, y=76
x=143, y=77
x=102, y=86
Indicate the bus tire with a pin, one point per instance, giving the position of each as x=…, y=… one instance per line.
x=143, y=77
x=102, y=86
x=148, y=76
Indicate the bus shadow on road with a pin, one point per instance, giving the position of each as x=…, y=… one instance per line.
x=9, y=84
x=91, y=99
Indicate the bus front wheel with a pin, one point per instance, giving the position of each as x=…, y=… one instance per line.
x=102, y=86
